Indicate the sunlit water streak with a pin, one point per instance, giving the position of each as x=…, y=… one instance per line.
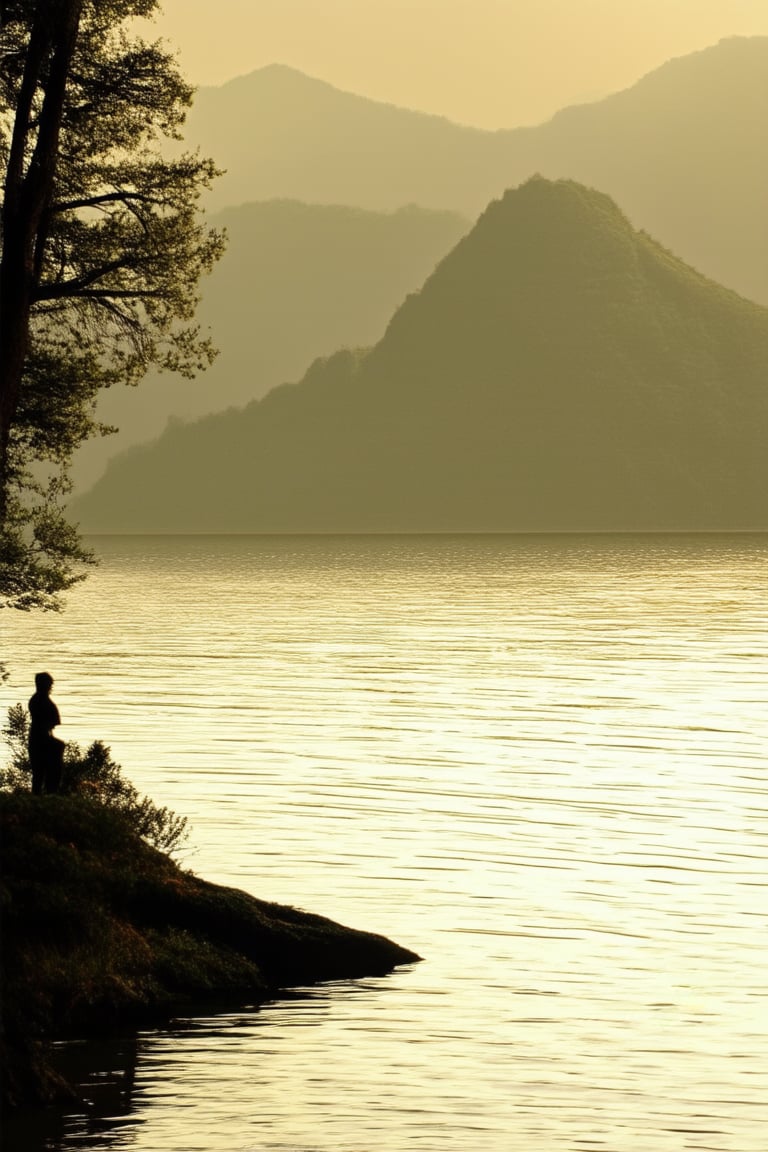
x=539, y=762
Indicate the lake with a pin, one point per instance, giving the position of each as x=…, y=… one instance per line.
x=540, y=762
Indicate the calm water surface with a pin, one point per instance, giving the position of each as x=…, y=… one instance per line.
x=539, y=762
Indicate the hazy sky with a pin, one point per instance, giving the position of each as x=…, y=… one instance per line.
x=493, y=63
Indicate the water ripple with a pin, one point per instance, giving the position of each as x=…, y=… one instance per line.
x=540, y=762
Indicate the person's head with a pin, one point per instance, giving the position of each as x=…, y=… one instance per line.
x=43, y=681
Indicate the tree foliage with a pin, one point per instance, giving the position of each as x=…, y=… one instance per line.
x=102, y=248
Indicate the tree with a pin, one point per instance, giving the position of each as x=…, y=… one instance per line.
x=102, y=248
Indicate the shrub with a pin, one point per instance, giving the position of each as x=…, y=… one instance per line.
x=93, y=776
x=17, y=773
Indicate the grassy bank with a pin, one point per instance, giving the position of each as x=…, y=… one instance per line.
x=99, y=928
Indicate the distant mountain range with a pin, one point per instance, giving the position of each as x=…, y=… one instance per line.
x=683, y=152
x=558, y=371
x=296, y=282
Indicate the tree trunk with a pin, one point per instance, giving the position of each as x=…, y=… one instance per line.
x=27, y=198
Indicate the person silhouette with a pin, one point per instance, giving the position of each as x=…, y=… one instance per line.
x=46, y=751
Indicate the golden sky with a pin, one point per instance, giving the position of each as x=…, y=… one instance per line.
x=492, y=63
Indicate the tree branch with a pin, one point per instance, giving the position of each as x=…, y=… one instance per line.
x=105, y=198
x=78, y=284
x=116, y=294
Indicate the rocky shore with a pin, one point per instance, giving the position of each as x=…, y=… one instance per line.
x=100, y=930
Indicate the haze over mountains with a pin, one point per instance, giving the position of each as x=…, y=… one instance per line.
x=558, y=371
x=297, y=281
x=682, y=151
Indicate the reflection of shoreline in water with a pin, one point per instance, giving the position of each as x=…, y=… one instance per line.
x=117, y=1076
x=103, y=1069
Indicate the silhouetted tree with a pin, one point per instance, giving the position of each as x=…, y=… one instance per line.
x=102, y=248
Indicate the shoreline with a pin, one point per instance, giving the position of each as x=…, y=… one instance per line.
x=102, y=932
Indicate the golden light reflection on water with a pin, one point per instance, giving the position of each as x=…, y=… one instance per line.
x=540, y=762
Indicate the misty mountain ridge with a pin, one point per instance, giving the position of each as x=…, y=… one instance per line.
x=695, y=176
x=682, y=151
x=296, y=282
x=291, y=85
x=559, y=371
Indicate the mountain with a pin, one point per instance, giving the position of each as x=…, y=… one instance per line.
x=682, y=151
x=297, y=281
x=558, y=371
x=277, y=132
